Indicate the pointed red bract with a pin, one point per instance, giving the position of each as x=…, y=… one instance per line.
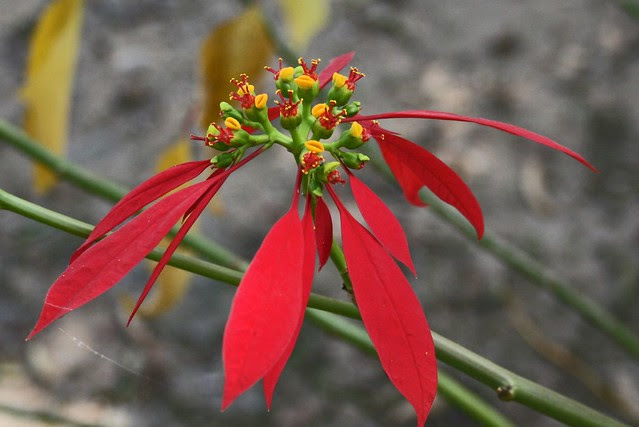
x=145, y=193
x=505, y=127
x=193, y=213
x=382, y=222
x=272, y=376
x=334, y=66
x=392, y=315
x=266, y=308
x=105, y=263
x=415, y=167
x=323, y=231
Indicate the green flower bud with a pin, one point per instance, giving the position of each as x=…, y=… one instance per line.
x=354, y=160
x=340, y=92
x=223, y=160
x=229, y=111
x=240, y=137
x=353, y=108
x=320, y=132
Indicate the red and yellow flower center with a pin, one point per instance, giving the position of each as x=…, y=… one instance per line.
x=309, y=71
x=288, y=108
x=245, y=92
x=311, y=161
x=325, y=116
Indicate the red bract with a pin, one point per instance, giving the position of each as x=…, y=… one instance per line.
x=145, y=193
x=308, y=260
x=415, y=167
x=101, y=266
x=382, y=222
x=95, y=269
x=391, y=314
x=323, y=231
x=268, y=309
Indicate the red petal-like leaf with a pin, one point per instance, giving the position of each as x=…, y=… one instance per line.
x=382, y=222
x=270, y=379
x=407, y=180
x=506, y=127
x=194, y=212
x=145, y=193
x=334, y=66
x=104, y=264
x=392, y=315
x=415, y=167
x=266, y=308
x=323, y=231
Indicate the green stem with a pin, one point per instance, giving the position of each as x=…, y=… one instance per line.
x=337, y=256
x=508, y=385
x=448, y=387
x=90, y=182
x=524, y=264
x=630, y=6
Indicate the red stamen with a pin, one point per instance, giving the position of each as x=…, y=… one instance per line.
x=335, y=178
x=309, y=71
x=354, y=76
x=225, y=136
x=288, y=108
x=328, y=120
x=274, y=71
x=310, y=161
x=243, y=94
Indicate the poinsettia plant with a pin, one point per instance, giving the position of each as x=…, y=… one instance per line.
x=268, y=308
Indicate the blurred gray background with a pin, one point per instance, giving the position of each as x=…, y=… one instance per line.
x=568, y=70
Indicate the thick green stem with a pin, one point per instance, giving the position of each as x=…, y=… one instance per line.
x=519, y=261
x=88, y=181
x=337, y=256
x=448, y=388
x=508, y=385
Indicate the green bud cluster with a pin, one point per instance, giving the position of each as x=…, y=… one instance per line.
x=308, y=126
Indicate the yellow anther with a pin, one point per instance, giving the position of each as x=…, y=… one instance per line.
x=305, y=82
x=261, y=100
x=314, y=146
x=251, y=89
x=339, y=80
x=232, y=123
x=357, y=130
x=286, y=74
x=319, y=109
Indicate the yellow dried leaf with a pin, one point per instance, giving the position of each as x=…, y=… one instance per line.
x=168, y=291
x=304, y=19
x=178, y=152
x=241, y=45
x=53, y=52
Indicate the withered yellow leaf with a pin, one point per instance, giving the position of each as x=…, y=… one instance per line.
x=241, y=45
x=176, y=153
x=168, y=291
x=304, y=19
x=53, y=52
